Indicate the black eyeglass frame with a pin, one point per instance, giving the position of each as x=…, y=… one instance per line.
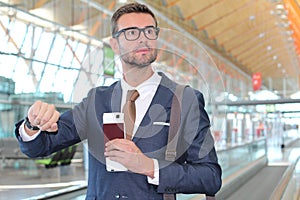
x=157, y=29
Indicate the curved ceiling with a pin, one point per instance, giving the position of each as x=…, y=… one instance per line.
x=254, y=35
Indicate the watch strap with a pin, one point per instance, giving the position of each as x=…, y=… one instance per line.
x=28, y=125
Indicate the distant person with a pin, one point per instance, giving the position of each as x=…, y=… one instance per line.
x=149, y=175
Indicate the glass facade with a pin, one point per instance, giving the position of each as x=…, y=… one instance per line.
x=50, y=62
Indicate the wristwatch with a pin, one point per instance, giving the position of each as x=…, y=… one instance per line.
x=28, y=125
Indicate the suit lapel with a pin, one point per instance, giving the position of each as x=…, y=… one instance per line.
x=116, y=98
x=158, y=110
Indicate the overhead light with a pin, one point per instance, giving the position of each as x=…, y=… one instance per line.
x=261, y=35
x=275, y=57
x=279, y=7
x=286, y=24
x=278, y=12
x=269, y=48
x=283, y=71
x=252, y=17
x=11, y=12
x=283, y=16
x=279, y=65
x=290, y=39
x=289, y=32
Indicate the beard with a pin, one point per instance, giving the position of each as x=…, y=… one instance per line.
x=140, y=61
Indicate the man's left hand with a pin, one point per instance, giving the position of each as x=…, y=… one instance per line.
x=128, y=154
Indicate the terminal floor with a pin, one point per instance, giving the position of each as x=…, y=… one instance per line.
x=17, y=183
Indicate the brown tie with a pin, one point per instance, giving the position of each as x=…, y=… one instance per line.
x=129, y=112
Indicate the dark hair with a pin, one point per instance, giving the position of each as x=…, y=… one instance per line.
x=126, y=9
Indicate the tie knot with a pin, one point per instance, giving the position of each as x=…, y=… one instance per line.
x=132, y=95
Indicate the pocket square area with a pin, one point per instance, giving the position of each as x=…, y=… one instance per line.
x=161, y=123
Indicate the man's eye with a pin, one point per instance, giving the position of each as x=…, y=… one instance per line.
x=149, y=31
x=131, y=32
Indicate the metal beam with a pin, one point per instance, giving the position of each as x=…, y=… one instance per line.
x=257, y=102
x=98, y=7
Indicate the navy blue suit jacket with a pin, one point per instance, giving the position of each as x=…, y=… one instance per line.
x=196, y=169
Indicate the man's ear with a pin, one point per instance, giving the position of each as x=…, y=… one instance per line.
x=114, y=45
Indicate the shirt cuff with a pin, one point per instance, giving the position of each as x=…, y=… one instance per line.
x=25, y=137
x=155, y=180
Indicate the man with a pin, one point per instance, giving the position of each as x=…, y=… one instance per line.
x=148, y=175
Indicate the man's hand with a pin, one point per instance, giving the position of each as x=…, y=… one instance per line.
x=129, y=155
x=44, y=116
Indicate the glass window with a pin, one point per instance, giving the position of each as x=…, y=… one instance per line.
x=57, y=50
x=44, y=46
x=66, y=81
x=48, y=78
x=22, y=77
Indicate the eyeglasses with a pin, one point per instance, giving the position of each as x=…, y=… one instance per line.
x=133, y=33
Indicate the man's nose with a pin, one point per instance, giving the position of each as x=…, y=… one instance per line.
x=142, y=37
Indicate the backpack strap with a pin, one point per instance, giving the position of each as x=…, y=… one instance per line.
x=170, y=154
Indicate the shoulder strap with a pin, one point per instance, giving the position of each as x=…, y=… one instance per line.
x=170, y=154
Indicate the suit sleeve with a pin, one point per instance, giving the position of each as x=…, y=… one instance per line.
x=69, y=123
x=196, y=170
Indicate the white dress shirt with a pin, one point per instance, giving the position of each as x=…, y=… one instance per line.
x=146, y=91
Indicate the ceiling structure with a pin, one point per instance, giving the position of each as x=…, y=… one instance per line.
x=256, y=36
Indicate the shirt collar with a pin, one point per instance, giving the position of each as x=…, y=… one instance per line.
x=147, y=87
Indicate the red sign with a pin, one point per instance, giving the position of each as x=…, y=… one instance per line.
x=256, y=81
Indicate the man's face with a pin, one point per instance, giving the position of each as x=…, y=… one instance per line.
x=142, y=51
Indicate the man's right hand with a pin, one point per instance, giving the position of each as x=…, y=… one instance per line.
x=44, y=116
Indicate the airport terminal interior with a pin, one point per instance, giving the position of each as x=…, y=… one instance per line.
x=243, y=55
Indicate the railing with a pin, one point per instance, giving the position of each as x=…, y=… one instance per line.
x=289, y=186
x=236, y=161
x=238, y=157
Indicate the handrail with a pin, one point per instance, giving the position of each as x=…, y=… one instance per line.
x=64, y=191
x=282, y=185
x=29, y=103
x=242, y=145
